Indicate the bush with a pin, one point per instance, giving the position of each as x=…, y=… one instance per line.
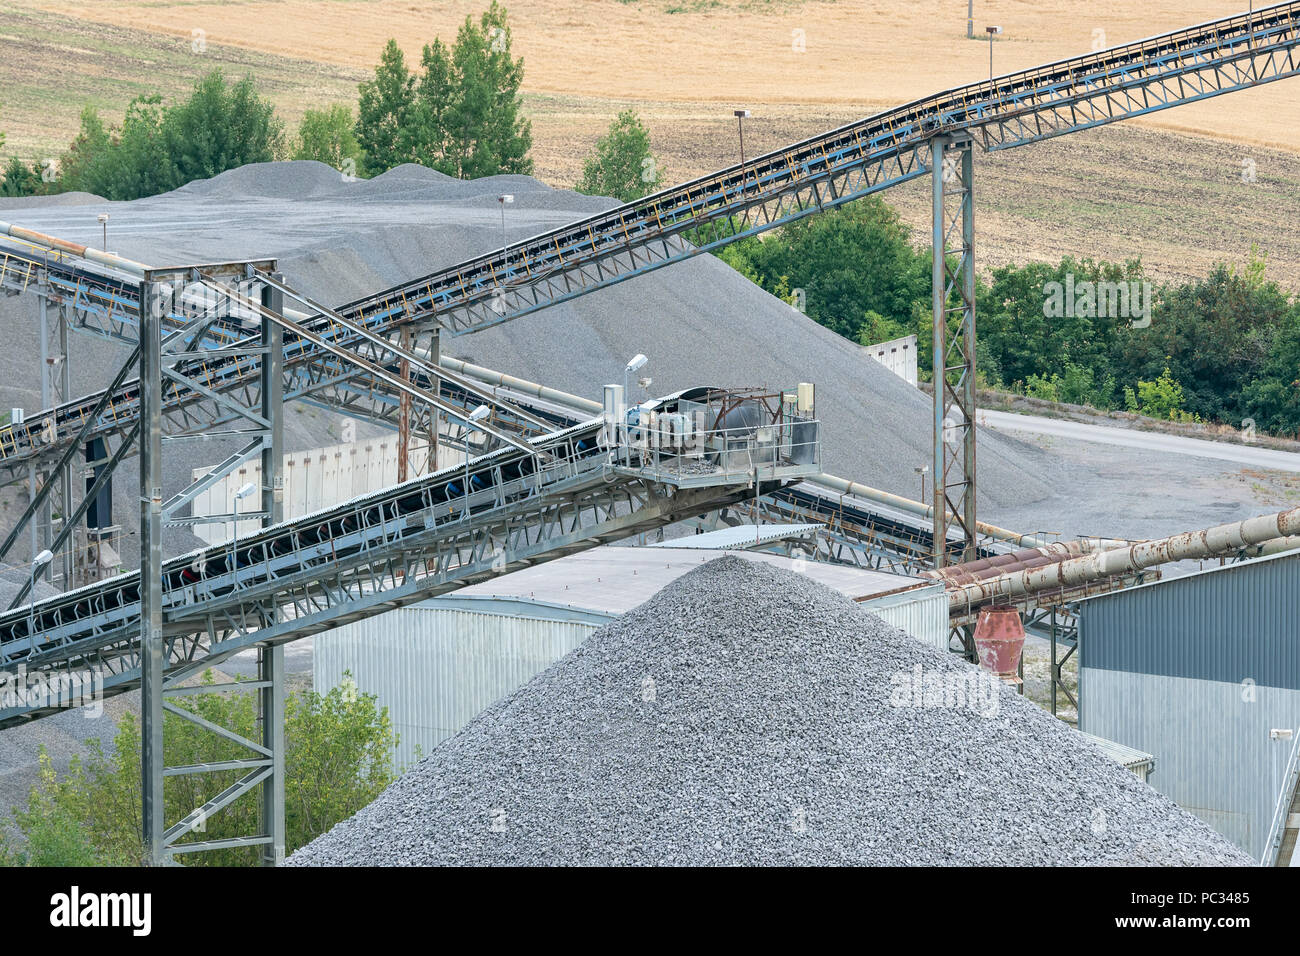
x=327, y=136
x=159, y=148
x=622, y=165
x=338, y=758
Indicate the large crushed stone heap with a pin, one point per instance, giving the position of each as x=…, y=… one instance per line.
x=746, y=715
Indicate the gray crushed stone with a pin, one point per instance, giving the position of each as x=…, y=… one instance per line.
x=746, y=715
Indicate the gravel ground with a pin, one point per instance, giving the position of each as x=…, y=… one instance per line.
x=746, y=715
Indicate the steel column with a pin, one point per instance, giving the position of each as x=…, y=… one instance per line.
x=270, y=660
x=404, y=408
x=953, y=342
x=153, y=306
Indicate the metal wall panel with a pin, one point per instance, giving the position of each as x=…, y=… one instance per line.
x=313, y=480
x=1210, y=739
x=1230, y=624
x=923, y=613
x=437, y=668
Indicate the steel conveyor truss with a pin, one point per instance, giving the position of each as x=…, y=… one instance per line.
x=401, y=545
x=818, y=173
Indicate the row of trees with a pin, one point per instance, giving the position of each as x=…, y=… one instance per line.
x=1222, y=348
x=460, y=113
x=338, y=758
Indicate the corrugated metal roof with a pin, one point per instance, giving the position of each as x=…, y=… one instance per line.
x=1247, y=566
x=1128, y=757
x=741, y=536
x=1230, y=624
x=617, y=579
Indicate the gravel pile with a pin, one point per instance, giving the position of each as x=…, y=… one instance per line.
x=746, y=715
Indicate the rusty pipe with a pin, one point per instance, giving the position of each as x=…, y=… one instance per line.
x=1189, y=545
x=103, y=258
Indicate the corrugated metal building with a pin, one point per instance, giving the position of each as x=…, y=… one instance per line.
x=436, y=665
x=1200, y=671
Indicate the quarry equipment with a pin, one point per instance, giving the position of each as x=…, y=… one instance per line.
x=934, y=135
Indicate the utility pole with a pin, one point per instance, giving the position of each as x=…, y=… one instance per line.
x=992, y=32
x=741, y=116
x=505, y=199
x=970, y=19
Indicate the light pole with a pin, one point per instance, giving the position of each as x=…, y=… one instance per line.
x=505, y=199
x=39, y=562
x=992, y=32
x=240, y=495
x=471, y=420
x=741, y=116
x=638, y=362
x=970, y=25
x=922, y=470
x=103, y=221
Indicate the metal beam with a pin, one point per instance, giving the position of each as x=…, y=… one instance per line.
x=152, y=303
x=953, y=344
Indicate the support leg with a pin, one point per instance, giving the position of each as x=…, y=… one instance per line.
x=953, y=344
x=151, y=636
x=271, y=659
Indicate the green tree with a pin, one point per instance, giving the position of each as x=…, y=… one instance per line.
x=462, y=114
x=851, y=262
x=622, y=165
x=219, y=127
x=338, y=758
x=1273, y=398
x=1030, y=332
x=19, y=179
x=327, y=136
x=384, y=111
x=427, y=137
x=92, y=145
x=1216, y=335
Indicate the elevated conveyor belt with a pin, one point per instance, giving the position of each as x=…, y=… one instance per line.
x=818, y=173
x=502, y=511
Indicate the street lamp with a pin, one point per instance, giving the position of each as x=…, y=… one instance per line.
x=741, y=116
x=240, y=495
x=637, y=363
x=103, y=221
x=992, y=32
x=473, y=418
x=970, y=19
x=922, y=470
x=505, y=199
x=41, y=560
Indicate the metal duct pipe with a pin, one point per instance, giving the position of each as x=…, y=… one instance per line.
x=62, y=245
x=842, y=486
x=1190, y=545
x=523, y=386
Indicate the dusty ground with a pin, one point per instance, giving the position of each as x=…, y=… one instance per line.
x=1144, y=190
x=858, y=53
